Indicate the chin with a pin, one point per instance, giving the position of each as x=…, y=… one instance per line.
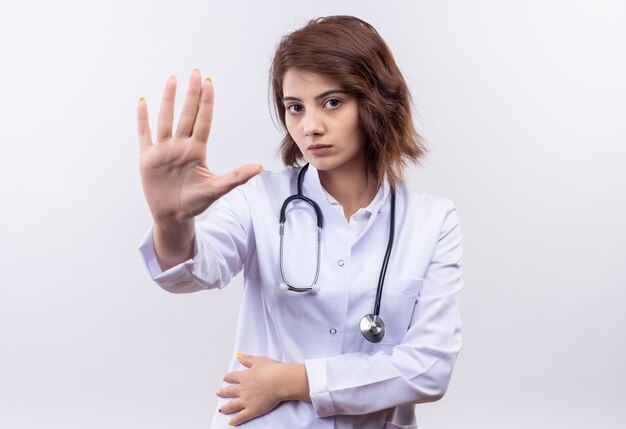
x=323, y=164
x=332, y=163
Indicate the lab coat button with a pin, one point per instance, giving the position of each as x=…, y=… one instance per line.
x=332, y=331
x=340, y=262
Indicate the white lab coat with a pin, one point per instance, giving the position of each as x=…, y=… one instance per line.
x=353, y=383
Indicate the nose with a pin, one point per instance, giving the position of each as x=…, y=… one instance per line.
x=312, y=123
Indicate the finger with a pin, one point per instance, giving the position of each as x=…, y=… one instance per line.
x=228, y=391
x=241, y=417
x=227, y=182
x=232, y=377
x=232, y=406
x=202, y=126
x=166, y=114
x=143, y=126
x=190, y=108
x=246, y=360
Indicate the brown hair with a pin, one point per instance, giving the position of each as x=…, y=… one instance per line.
x=351, y=52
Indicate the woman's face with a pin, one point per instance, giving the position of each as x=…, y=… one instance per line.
x=324, y=121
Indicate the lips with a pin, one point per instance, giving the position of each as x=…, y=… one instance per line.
x=318, y=146
x=319, y=150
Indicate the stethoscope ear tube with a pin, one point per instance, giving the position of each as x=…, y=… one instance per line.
x=286, y=285
x=318, y=212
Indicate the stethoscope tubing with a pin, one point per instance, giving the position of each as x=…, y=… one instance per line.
x=383, y=270
x=371, y=325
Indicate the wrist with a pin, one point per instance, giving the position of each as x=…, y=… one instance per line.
x=173, y=225
x=173, y=242
x=295, y=386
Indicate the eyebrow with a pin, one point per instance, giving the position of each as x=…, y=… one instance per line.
x=322, y=95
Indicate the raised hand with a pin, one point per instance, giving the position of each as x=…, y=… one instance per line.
x=177, y=182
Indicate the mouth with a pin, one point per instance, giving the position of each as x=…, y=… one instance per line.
x=319, y=150
x=318, y=146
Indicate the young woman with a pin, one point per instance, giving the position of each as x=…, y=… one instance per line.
x=350, y=313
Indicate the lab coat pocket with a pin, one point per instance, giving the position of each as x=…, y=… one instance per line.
x=396, y=307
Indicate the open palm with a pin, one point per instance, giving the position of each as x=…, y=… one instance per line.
x=177, y=182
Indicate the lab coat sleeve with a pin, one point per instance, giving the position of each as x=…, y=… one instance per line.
x=221, y=244
x=419, y=368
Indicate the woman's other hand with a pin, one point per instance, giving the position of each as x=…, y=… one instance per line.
x=259, y=389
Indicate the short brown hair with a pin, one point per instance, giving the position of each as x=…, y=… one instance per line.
x=351, y=52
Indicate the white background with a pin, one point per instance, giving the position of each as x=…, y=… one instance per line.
x=523, y=106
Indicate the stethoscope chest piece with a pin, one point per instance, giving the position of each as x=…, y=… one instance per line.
x=372, y=328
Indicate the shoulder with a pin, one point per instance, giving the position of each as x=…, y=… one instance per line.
x=423, y=202
x=434, y=216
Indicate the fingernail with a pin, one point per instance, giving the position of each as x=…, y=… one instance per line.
x=261, y=167
x=196, y=69
x=208, y=80
x=239, y=355
x=142, y=99
x=219, y=409
x=173, y=77
x=230, y=423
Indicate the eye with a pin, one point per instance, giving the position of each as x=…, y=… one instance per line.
x=332, y=103
x=294, y=108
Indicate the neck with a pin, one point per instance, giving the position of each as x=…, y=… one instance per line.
x=351, y=187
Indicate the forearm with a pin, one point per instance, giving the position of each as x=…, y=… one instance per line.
x=173, y=242
x=358, y=383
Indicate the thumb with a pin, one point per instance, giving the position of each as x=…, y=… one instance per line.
x=238, y=176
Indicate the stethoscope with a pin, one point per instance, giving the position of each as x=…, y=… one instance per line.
x=371, y=325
